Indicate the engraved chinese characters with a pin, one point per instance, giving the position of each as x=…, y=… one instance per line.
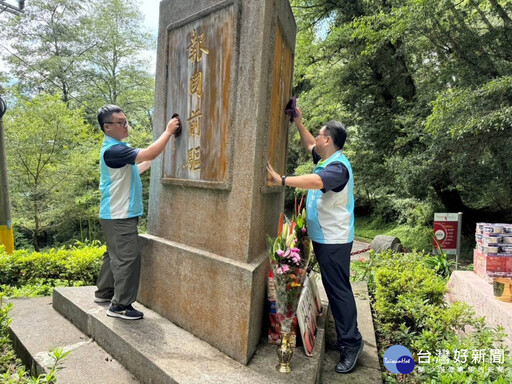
x=198, y=86
x=196, y=49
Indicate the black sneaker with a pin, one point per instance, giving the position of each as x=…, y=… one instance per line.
x=348, y=358
x=124, y=312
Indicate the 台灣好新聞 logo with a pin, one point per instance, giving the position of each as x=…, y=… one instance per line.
x=398, y=359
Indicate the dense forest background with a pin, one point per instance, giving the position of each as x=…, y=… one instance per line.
x=424, y=88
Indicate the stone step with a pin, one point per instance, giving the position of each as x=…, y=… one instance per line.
x=157, y=351
x=36, y=328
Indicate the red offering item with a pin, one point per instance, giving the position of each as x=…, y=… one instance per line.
x=483, y=263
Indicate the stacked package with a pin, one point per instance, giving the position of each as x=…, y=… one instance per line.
x=493, y=252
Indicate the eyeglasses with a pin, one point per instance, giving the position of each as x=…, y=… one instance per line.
x=321, y=134
x=122, y=123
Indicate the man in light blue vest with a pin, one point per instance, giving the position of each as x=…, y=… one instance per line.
x=120, y=208
x=330, y=221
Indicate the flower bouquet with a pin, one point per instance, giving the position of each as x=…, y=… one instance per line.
x=289, y=259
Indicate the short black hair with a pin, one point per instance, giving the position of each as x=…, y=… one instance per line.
x=336, y=130
x=104, y=113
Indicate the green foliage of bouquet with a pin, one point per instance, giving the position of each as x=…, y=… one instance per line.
x=289, y=259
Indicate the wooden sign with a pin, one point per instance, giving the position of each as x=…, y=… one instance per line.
x=198, y=87
x=281, y=92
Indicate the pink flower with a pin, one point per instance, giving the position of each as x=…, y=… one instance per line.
x=280, y=253
x=285, y=268
x=279, y=270
x=303, y=229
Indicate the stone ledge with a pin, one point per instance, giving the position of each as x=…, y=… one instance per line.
x=157, y=351
x=466, y=286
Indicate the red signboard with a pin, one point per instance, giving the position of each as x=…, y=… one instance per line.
x=446, y=231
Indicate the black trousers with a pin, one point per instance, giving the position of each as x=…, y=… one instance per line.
x=334, y=261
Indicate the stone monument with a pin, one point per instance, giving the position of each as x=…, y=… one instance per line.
x=226, y=68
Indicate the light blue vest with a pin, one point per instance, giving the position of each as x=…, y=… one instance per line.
x=121, y=188
x=330, y=215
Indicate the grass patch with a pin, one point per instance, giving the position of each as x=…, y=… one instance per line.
x=411, y=237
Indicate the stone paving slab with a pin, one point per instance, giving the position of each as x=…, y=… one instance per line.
x=157, y=351
x=367, y=369
x=36, y=328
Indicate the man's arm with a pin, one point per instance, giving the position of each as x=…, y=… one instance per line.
x=311, y=181
x=308, y=141
x=144, y=166
x=151, y=152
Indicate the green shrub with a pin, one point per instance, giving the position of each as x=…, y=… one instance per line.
x=409, y=309
x=76, y=265
x=7, y=356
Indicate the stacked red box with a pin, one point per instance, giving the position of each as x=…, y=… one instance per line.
x=484, y=263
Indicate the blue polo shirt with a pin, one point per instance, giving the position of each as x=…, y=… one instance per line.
x=120, y=185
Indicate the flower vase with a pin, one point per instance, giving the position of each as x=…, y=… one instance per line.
x=284, y=353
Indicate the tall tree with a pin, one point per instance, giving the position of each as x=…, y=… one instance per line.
x=48, y=46
x=93, y=52
x=118, y=69
x=424, y=86
x=90, y=53
x=49, y=146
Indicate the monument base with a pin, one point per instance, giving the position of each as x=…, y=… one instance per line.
x=217, y=299
x=466, y=286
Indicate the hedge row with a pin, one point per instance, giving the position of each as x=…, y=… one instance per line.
x=76, y=265
x=409, y=309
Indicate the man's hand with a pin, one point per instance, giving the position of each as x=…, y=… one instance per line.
x=173, y=125
x=276, y=177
